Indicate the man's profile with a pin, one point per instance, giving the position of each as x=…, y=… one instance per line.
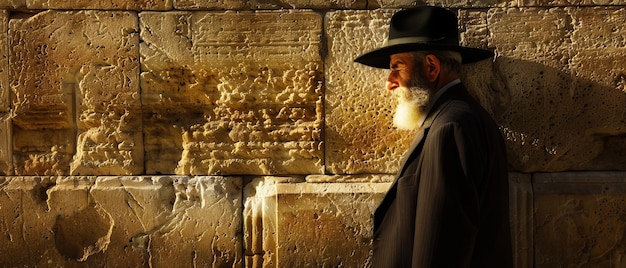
x=448, y=206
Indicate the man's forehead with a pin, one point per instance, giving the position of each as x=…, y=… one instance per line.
x=401, y=56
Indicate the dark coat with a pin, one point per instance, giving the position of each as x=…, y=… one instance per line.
x=448, y=206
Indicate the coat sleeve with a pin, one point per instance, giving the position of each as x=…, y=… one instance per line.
x=447, y=206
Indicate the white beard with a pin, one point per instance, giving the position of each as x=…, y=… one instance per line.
x=407, y=116
x=413, y=104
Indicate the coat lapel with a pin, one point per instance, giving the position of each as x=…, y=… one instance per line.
x=414, y=150
x=418, y=142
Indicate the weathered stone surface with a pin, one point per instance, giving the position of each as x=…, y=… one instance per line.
x=13, y=4
x=371, y=4
x=293, y=224
x=572, y=114
x=553, y=3
x=580, y=219
x=111, y=4
x=479, y=78
x=264, y=4
x=360, y=137
x=333, y=4
x=599, y=48
x=4, y=61
x=121, y=221
x=200, y=215
x=371, y=178
x=81, y=228
x=5, y=116
x=76, y=106
x=6, y=152
x=211, y=4
x=260, y=221
x=232, y=93
x=22, y=215
x=473, y=28
x=443, y=3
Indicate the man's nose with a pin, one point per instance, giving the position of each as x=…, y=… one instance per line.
x=392, y=81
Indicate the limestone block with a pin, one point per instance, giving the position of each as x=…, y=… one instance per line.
x=121, y=221
x=294, y=224
x=586, y=212
x=75, y=87
x=263, y=4
x=554, y=118
x=360, y=137
x=232, y=93
x=111, y=4
x=13, y=4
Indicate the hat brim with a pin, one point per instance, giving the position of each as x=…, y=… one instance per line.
x=380, y=58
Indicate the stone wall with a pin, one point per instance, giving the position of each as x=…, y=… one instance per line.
x=198, y=133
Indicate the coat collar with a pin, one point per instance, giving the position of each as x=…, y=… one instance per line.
x=437, y=96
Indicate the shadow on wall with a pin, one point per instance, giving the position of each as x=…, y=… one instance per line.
x=552, y=120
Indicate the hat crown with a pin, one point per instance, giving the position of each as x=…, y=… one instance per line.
x=422, y=29
x=432, y=24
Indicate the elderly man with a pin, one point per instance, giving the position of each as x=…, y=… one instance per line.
x=448, y=206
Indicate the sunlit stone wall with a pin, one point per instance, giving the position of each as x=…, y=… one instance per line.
x=230, y=133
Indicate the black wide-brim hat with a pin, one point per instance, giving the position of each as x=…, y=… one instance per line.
x=422, y=29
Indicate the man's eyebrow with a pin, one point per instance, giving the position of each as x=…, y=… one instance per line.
x=394, y=64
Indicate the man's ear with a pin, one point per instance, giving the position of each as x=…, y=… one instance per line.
x=432, y=68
